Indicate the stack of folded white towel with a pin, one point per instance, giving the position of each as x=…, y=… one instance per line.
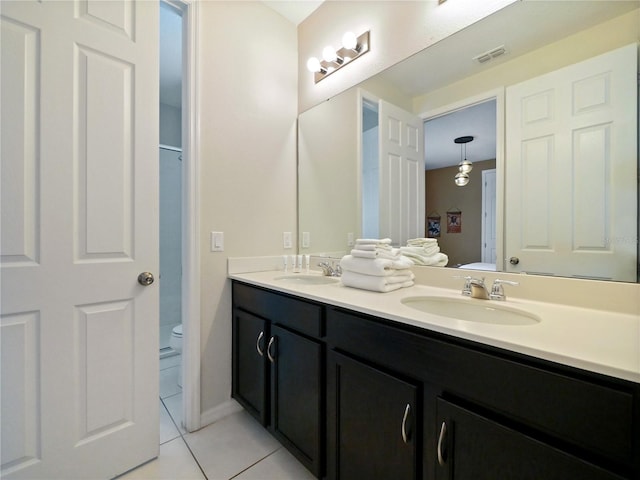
x=425, y=251
x=375, y=265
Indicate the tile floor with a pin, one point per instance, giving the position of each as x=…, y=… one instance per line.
x=235, y=447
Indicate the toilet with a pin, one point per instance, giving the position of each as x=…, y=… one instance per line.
x=175, y=342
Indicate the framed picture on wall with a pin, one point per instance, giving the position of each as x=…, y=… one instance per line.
x=454, y=221
x=433, y=225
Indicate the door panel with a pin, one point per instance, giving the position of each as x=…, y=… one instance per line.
x=373, y=422
x=250, y=380
x=472, y=447
x=571, y=175
x=79, y=223
x=401, y=174
x=296, y=390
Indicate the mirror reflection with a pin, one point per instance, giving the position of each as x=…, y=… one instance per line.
x=559, y=193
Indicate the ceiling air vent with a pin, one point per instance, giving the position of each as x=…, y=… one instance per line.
x=490, y=54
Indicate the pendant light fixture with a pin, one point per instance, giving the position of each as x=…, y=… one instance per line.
x=465, y=166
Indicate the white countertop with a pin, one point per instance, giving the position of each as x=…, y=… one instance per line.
x=594, y=340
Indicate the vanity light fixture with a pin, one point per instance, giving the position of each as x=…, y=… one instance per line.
x=465, y=166
x=332, y=60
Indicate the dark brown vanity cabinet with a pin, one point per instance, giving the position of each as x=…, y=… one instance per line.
x=355, y=396
x=481, y=412
x=278, y=365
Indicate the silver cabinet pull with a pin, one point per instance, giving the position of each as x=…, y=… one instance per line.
x=443, y=432
x=405, y=437
x=271, y=359
x=260, y=352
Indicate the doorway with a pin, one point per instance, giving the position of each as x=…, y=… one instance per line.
x=178, y=114
x=477, y=244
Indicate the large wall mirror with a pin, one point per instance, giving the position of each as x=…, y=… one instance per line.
x=548, y=92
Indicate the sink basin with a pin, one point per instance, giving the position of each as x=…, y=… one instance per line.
x=302, y=279
x=472, y=310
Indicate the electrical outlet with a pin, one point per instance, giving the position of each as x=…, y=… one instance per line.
x=306, y=239
x=287, y=241
x=350, y=241
x=217, y=241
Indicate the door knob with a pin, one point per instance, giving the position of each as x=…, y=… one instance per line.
x=514, y=260
x=145, y=279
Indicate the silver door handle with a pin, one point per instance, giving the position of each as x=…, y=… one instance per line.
x=443, y=432
x=145, y=279
x=405, y=437
x=271, y=359
x=260, y=352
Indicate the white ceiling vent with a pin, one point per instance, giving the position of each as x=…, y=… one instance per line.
x=490, y=54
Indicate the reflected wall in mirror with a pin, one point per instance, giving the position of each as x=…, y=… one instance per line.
x=444, y=78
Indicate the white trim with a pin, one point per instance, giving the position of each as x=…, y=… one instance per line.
x=498, y=95
x=363, y=97
x=191, y=280
x=485, y=214
x=223, y=410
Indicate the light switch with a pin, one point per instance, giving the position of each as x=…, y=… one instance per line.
x=306, y=239
x=287, y=241
x=217, y=241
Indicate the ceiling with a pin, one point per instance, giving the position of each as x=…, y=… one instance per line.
x=478, y=121
x=294, y=11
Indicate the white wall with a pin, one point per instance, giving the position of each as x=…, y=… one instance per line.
x=248, y=105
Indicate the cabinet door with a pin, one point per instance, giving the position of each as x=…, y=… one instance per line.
x=296, y=395
x=250, y=368
x=373, y=422
x=472, y=447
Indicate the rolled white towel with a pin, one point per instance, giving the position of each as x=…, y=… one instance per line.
x=377, y=242
x=364, y=253
x=365, y=246
x=375, y=266
x=376, y=283
x=415, y=242
x=424, y=251
x=388, y=253
x=437, y=260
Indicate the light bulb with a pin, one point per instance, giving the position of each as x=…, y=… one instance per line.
x=461, y=179
x=349, y=41
x=329, y=54
x=465, y=166
x=313, y=65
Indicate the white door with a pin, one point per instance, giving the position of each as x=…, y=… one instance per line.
x=79, y=223
x=574, y=131
x=401, y=174
x=489, y=216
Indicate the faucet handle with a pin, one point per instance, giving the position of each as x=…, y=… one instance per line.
x=497, y=291
x=466, y=289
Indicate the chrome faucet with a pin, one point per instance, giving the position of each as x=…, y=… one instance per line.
x=329, y=270
x=478, y=289
x=497, y=292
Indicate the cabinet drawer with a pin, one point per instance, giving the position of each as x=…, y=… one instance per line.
x=592, y=412
x=304, y=317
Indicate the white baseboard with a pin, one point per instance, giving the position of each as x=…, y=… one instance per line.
x=216, y=413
